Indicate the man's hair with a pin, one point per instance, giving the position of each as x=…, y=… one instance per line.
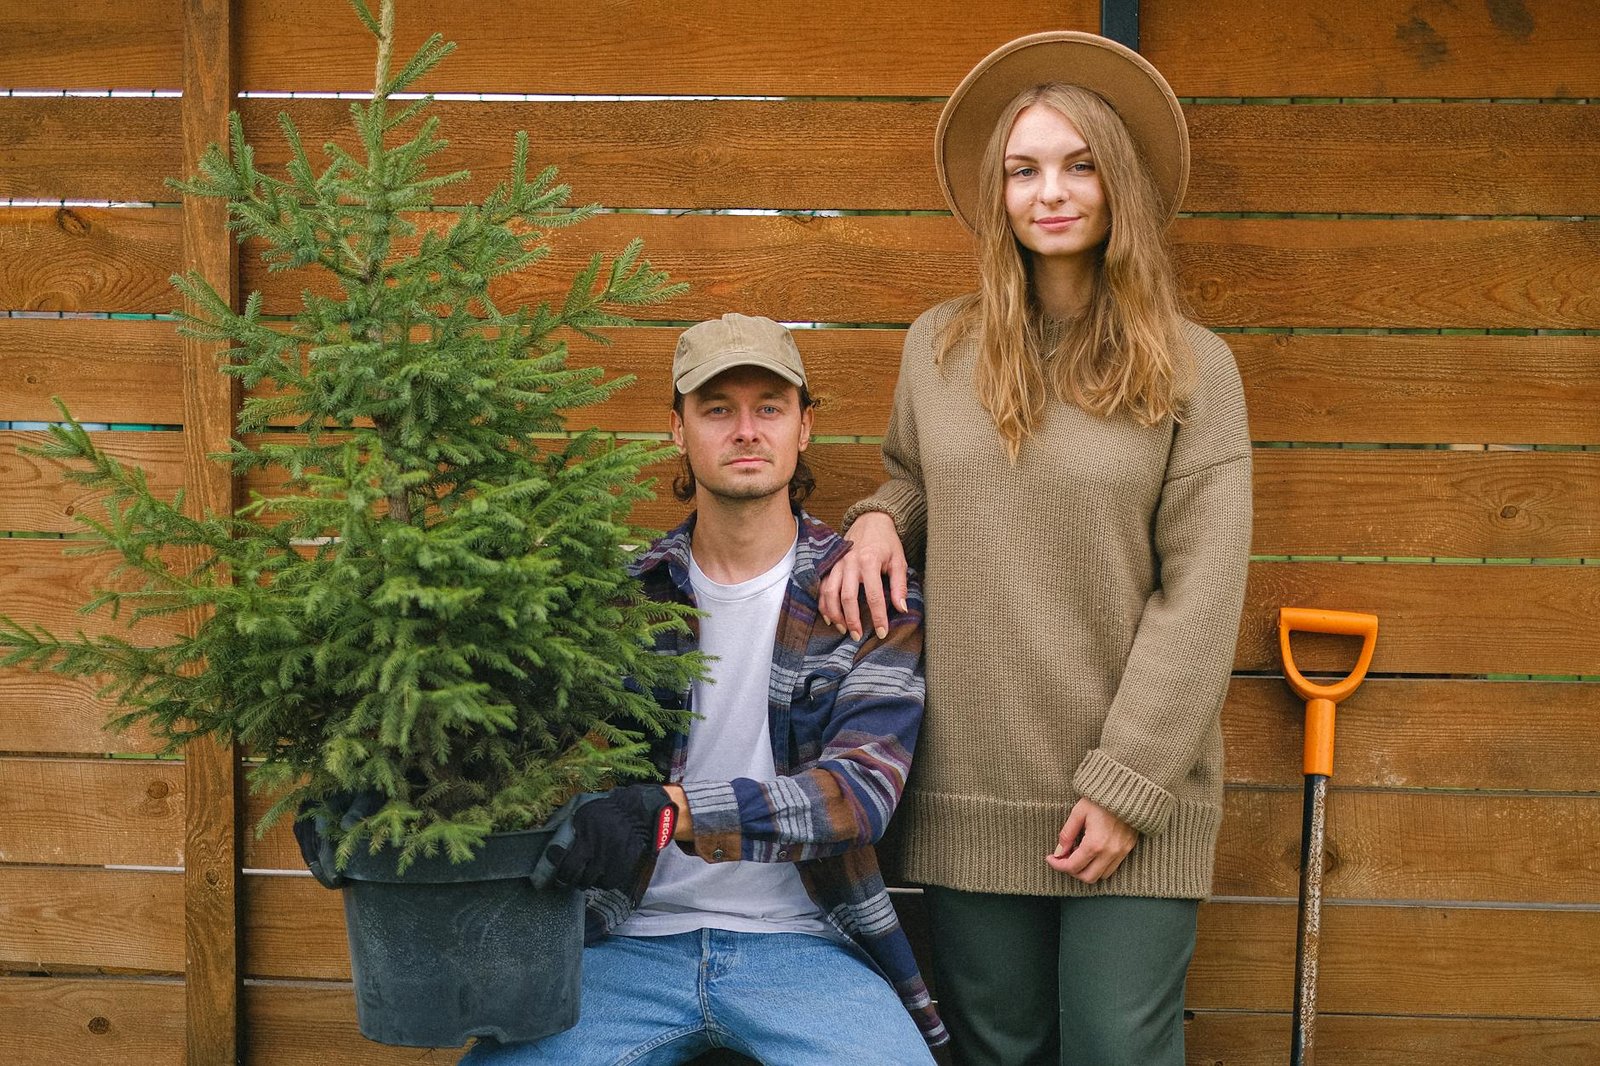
x=801, y=485
x=1127, y=351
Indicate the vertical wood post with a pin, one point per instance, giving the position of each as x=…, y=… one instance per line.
x=211, y=848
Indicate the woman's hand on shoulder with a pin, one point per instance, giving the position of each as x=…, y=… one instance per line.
x=1092, y=844
x=876, y=551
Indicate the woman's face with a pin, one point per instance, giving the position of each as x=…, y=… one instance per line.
x=1052, y=188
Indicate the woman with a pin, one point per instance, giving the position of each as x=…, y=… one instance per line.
x=1070, y=457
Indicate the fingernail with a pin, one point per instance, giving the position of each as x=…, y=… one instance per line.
x=840, y=627
x=883, y=631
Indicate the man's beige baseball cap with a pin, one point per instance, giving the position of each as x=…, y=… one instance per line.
x=707, y=349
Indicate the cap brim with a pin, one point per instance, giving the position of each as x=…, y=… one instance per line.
x=1137, y=92
x=727, y=361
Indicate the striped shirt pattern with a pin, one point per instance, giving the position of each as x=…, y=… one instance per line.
x=844, y=716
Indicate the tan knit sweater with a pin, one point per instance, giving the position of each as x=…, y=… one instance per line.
x=1082, y=608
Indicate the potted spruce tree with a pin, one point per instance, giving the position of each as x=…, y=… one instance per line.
x=427, y=636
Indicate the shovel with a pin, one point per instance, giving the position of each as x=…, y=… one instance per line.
x=1321, y=699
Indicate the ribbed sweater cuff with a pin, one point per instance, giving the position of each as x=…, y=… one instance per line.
x=904, y=504
x=1134, y=798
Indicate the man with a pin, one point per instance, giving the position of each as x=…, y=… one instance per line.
x=767, y=927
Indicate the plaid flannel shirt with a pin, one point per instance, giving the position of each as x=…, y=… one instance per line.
x=844, y=716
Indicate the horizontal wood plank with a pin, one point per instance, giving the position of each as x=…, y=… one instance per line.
x=89, y=148
x=1236, y=272
x=91, y=44
x=1259, y=1039
x=853, y=154
x=41, y=585
x=1301, y=387
x=1459, y=159
x=305, y=1024
x=103, y=370
x=1421, y=389
x=1395, y=845
x=88, y=259
x=1446, y=961
x=701, y=47
x=1412, y=733
x=1379, y=48
x=293, y=927
x=886, y=269
x=91, y=812
x=91, y=1021
x=52, y=714
x=59, y=916
x=1455, y=504
x=1443, y=619
x=35, y=496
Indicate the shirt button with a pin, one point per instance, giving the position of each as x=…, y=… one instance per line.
x=784, y=855
x=717, y=854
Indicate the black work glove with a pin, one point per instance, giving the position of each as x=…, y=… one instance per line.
x=612, y=837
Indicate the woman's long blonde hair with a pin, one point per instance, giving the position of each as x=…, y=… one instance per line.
x=1126, y=352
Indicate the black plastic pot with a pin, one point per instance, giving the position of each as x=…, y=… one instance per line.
x=444, y=952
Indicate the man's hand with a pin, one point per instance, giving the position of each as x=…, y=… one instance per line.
x=1092, y=844
x=877, y=551
x=613, y=836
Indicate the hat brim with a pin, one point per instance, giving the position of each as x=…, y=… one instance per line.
x=1137, y=92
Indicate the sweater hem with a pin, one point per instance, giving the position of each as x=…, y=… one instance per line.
x=981, y=844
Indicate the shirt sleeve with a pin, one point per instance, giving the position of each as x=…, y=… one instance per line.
x=846, y=799
x=1176, y=676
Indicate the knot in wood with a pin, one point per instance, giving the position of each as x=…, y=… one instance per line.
x=99, y=1026
x=1508, y=511
x=157, y=790
x=71, y=223
x=31, y=379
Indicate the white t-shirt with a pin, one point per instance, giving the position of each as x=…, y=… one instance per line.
x=730, y=740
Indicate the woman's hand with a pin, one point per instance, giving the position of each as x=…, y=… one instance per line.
x=1092, y=844
x=877, y=551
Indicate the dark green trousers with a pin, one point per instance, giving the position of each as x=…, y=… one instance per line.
x=1038, y=981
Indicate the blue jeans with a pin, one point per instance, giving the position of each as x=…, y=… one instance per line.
x=781, y=998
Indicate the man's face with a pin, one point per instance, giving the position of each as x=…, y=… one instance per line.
x=743, y=432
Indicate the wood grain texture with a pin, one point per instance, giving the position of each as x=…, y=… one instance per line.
x=1225, y=1038
x=888, y=269
x=1453, y=504
x=1416, y=389
x=91, y=812
x=1502, y=48
x=1451, y=962
x=88, y=259
x=309, y=1024
x=91, y=44
x=35, y=496
x=41, y=585
x=76, y=916
x=91, y=1021
x=1512, y=735
x=293, y=927
x=46, y=713
x=700, y=47
x=1235, y=272
x=1389, y=273
x=89, y=148
x=1458, y=159
x=1396, y=845
x=104, y=371
x=1482, y=159
x=210, y=400
x=1444, y=619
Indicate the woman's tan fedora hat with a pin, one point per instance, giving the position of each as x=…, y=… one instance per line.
x=1137, y=92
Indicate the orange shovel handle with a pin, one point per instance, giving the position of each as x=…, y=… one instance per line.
x=1321, y=699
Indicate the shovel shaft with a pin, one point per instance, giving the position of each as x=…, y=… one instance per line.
x=1302, y=1051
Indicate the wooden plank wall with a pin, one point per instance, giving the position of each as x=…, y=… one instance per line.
x=1393, y=217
